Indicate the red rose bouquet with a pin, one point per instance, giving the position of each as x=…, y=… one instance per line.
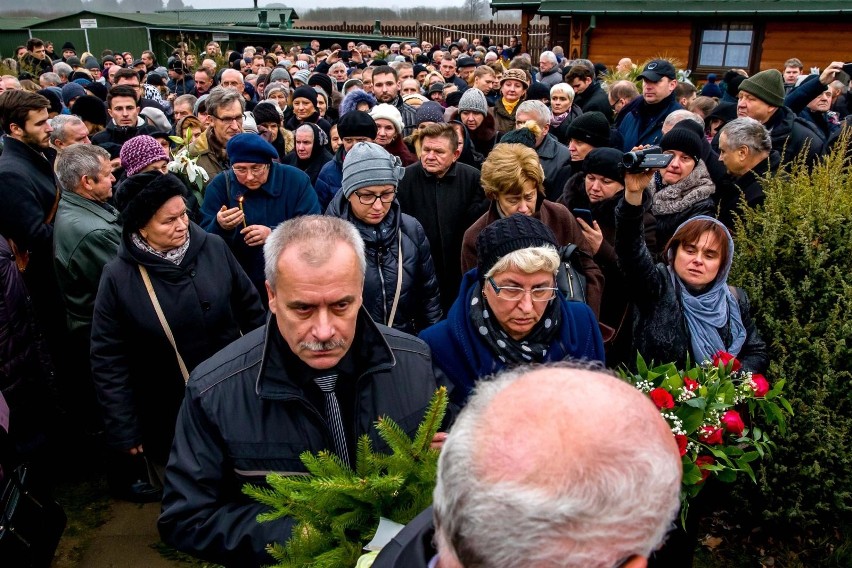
x=718, y=413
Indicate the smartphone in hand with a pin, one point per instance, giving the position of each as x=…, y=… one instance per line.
x=585, y=215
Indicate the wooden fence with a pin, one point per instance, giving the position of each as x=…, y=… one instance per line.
x=499, y=33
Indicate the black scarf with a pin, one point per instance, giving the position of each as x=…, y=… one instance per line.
x=532, y=348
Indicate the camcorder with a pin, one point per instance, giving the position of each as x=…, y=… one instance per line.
x=651, y=157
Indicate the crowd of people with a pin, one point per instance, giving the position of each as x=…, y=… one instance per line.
x=214, y=265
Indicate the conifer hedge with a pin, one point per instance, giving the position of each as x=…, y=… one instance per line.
x=794, y=258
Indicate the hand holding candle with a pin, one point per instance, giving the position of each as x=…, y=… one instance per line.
x=240, y=200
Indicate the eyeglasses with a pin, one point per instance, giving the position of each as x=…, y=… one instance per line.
x=370, y=198
x=514, y=293
x=253, y=170
x=228, y=119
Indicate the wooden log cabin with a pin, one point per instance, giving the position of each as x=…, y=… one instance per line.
x=708, y=36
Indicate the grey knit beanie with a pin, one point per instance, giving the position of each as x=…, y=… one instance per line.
x=767, y=85
x=473, y=99
x=368, y=164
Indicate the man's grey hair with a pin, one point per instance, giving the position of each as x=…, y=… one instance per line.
x=221, y=97
x=539, y=109
x=51, y=78
x=337, y=64
x=317, y=236
x=747, y=132
x=60, y=124
x=681, y=114
x=77, y=161
x=62, y=69
x=185, y=100
x=617, y=503
x=548, y=56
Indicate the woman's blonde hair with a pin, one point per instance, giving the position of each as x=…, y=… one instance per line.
x=528, y=260
x=508, y=167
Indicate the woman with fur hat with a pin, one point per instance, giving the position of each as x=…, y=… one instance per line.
x=509, y=311
x=207, y=301
x=400, y=286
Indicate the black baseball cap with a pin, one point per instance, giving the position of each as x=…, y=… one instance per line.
x=657, y=69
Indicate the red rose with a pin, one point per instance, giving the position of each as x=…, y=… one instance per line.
x=662, y=398
x=760, y=385
x=710, y=435
x=704, y=460
x=723, y=358
x=733, y=423
x=681, y=443
x=690, y=385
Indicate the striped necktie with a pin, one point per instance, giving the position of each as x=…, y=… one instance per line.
x=333, y=416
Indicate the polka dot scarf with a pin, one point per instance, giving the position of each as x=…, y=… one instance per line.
x=532, y=348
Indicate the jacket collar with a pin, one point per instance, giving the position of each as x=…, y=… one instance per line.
x=42, y=158
x=548, y=147
x=106, y=212
x=372, y=354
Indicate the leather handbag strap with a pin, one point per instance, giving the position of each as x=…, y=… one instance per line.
x=162, y=317
x=398, y=282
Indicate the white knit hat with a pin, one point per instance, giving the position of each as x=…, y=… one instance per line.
x=388, y=112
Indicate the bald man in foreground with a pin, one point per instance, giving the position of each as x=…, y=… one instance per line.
x=548, y=466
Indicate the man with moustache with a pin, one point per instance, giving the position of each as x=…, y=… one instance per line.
x=316, y=377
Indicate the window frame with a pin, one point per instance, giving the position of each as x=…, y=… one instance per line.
x=699, y=28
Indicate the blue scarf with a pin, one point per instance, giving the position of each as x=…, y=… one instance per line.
x=711, y=311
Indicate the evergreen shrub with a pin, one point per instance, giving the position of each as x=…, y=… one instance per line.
x=794, y=258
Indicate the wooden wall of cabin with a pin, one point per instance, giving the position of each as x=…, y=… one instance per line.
x=640, y=40
x=816, y=43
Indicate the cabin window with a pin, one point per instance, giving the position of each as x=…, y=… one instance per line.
x=726, y=45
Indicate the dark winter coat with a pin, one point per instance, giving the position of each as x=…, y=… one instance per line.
x=552, y=155
x=113, y=137
x=561, y=132
x=86, y=237
x=27, y=196
x=659, y=327
x=419, y=304
x=749, y=186
x=412, y=547
x=293, y=123
x=445, y=207
x=25, y=366
x=564, y=227
x=330, y=179
x=208, y=302
x=247, y=414
x=287, y=193
x=642, y=123
x=460, y=352
x=790, y=134
x=616, y=292
x=594, y=98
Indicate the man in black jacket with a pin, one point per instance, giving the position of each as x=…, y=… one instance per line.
x=29, y=197
x=445, y=196
x=123, y=108
x=588, y=94
x=316, y=377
